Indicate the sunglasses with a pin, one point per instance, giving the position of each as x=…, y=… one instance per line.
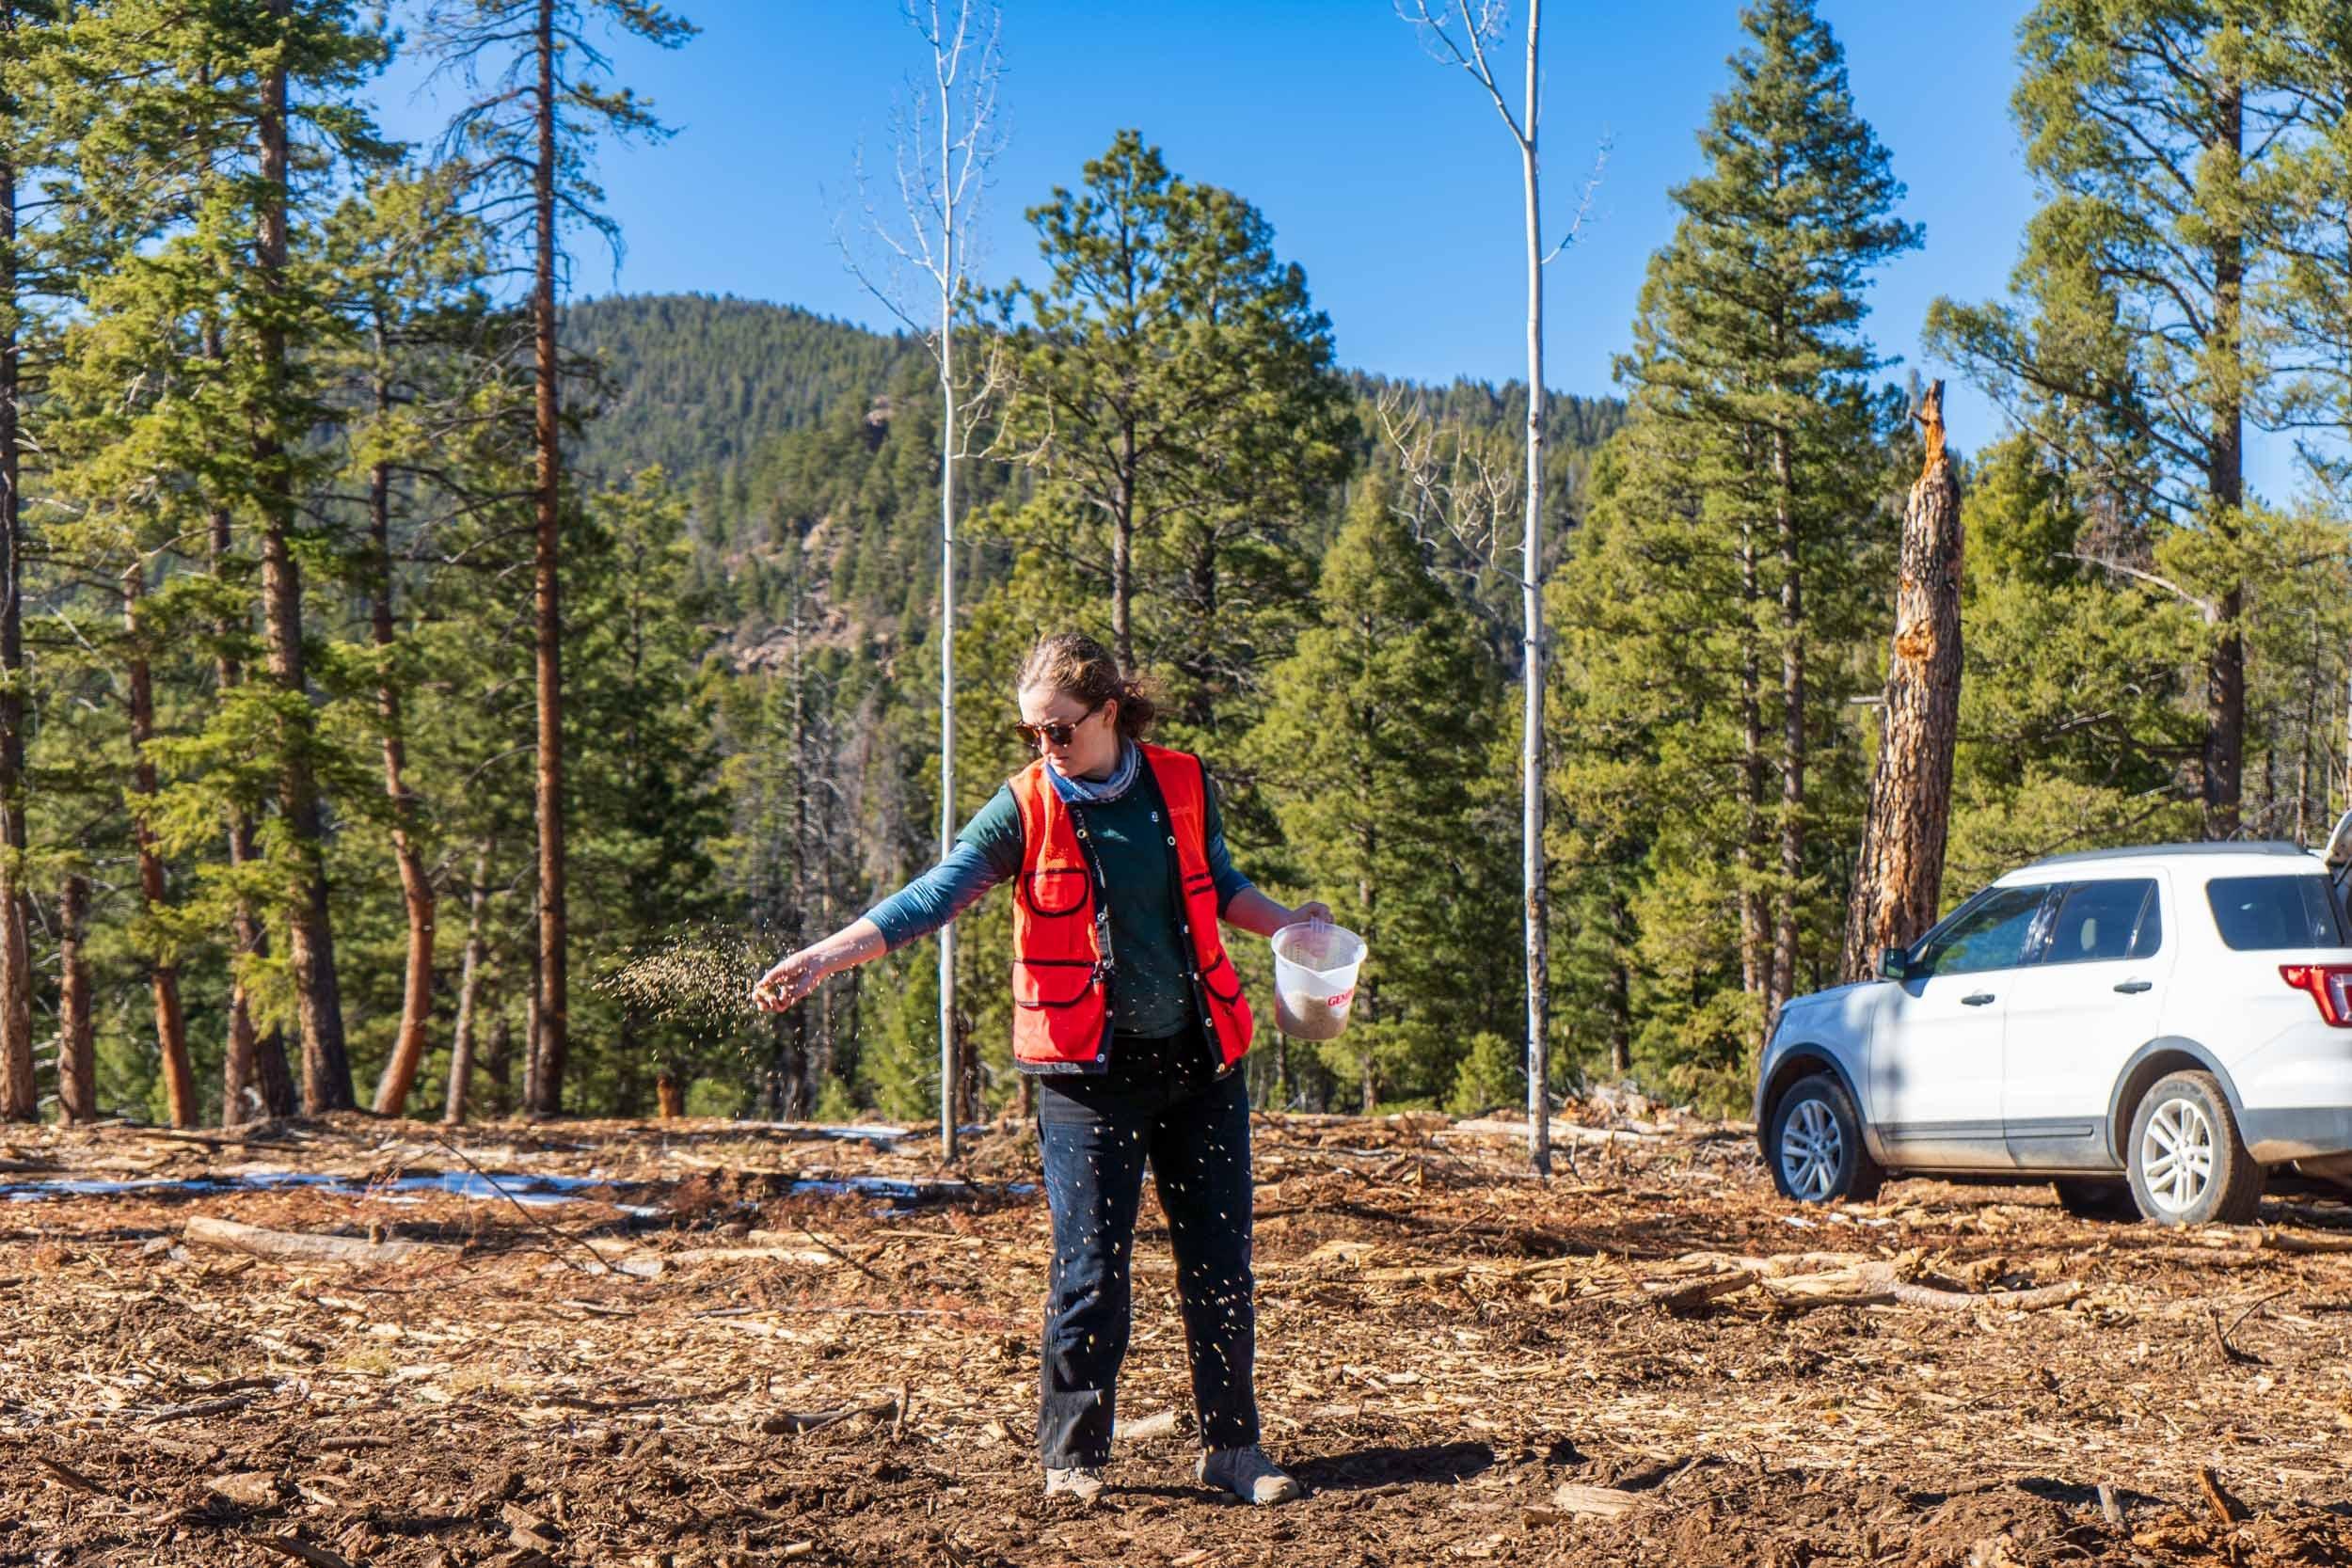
x=1059, y=734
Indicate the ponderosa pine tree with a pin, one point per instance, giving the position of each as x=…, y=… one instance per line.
x=1172, y=391
x=1752, y=469
x=429, y=372
x=1373, y=749
x=31, y=140
x=526, y=147
x=2129, y=349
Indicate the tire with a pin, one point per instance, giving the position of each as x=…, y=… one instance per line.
x=2186, y=1162
x=2096, y=1198
x=1816, y=1151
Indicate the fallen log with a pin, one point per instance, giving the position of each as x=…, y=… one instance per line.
x=1594, y=1502
x=2290, y=1241
x=232, y=1236
x=817, y=1420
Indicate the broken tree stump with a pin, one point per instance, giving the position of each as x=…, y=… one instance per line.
x=1900, y=872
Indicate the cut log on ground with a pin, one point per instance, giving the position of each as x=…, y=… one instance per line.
x=230, y=1236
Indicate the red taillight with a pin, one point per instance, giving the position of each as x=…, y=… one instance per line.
x=2330, y=987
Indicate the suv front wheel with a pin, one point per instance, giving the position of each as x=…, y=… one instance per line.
x=2186, y=1162
x=1816, y=1145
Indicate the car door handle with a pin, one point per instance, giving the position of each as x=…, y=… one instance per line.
x=1976, y=1001
x=2133, y=988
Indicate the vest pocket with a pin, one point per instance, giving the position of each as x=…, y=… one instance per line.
x=1051, y=899
x=1208, y=979
x=1042, y=983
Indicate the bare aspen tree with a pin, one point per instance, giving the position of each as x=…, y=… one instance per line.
x=944, y=134
x=1464, y=36
x=1899, y=876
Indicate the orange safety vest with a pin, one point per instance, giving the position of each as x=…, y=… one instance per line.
x=1061, y=1014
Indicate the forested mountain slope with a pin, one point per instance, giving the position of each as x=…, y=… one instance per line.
x=697, y=382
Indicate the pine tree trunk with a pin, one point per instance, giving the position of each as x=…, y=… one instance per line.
x=1792, y=738
x=1532, y=621
x=468, y=988
x=77, y=1058
x=1755, y=963
x=552, y=1039
x=1620, y=988
x=1123, y=552
x=254, y=1072
x=2303, y=813
x=498, y=1061
x=2225, y=672
x=1899, y=876
x=171, y=1034
x=309, y=938
x=416, y=888
x=19, y=1098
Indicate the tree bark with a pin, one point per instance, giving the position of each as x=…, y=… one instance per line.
x=1532, y=621
x=2225, y=672
x=416, y=888
x=1755, y=962
x=254, y=1074
x=77, y=1059
x=948, y=1037
x=1792, y=738
x=468, y=988
x=310, y=937
x=171, y=1034
x=551, y=1040
x=19, y=1097
x=1899, y=877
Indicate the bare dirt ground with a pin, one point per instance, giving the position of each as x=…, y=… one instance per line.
x=1649, y=1359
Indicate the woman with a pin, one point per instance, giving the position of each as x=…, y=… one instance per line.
x=1129, y=1013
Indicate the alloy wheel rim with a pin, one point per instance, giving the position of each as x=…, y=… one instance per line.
x=2176, y=1155
x=1812, y=1146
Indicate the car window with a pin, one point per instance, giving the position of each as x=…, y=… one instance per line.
x=1992, y=933
x=2259, y=915
x=2100, y=920
x=2150, y=935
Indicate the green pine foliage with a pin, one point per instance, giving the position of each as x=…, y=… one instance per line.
x=1718, y=610
x=1373, y=753
x=1298, y=555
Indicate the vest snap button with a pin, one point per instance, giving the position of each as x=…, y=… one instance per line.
x=1172, y=838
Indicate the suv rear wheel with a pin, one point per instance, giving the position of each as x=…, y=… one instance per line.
x=2186, y=1162
x=1816, y=1145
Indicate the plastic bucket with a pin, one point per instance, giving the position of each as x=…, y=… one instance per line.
x=1314, y=979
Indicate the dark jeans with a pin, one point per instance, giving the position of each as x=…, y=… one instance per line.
x=1194, y=1129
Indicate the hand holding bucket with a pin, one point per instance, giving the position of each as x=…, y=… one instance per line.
x=1314, y=979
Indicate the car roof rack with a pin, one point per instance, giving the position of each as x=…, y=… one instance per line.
x=2222, y=846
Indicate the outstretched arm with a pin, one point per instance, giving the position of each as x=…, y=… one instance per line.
x=987, y=852
x=795, y=977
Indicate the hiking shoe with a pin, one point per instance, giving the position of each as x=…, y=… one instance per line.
x=1082, y=1483
x=1247, y=1474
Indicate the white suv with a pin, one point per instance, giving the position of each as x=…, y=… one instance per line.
x=2173, y=1019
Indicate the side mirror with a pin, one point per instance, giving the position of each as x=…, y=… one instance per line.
x=1895, y=963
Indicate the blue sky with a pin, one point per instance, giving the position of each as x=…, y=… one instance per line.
x=1385, y=175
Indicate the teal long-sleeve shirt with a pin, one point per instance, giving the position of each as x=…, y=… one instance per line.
x=1153, y=995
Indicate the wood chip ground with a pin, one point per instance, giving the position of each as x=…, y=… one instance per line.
x=1647, y=1360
